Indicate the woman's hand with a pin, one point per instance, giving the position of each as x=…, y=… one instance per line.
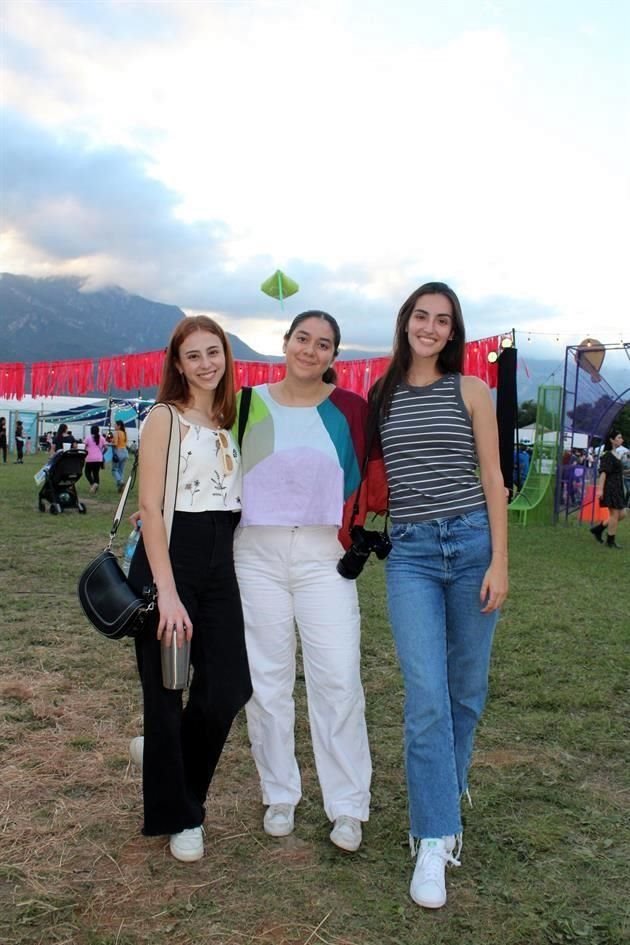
x=494, y=587
x=134, y=519
x=173, y=619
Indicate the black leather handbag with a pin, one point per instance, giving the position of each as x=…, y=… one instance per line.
x=109, y=602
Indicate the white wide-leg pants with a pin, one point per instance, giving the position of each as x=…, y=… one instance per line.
x=288, y=576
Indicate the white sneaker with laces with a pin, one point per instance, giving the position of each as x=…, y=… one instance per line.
x=347, y=834
x=279, y=819
x=187, y=846
x=428, y=886
x=136, y=750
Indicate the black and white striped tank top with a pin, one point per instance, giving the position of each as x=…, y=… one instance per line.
x=429, y=452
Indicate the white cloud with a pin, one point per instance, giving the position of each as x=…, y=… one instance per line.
x=382, y=160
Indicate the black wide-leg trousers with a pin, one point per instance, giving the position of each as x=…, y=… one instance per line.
x=183, y=744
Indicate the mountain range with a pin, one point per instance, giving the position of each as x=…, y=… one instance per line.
x=57, y=319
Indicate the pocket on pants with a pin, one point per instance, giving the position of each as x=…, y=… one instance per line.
x=400, y=532
x=476, y=520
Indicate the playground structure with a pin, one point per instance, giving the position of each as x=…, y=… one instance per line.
x=585, y=406
x=535, y=499
x=590, y=406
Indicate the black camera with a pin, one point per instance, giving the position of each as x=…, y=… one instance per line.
x=363, y=544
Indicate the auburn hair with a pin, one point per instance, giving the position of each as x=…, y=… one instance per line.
x=174, y=387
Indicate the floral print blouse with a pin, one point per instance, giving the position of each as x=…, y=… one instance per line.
x=209, y=471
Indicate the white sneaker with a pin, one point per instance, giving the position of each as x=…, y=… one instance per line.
x=428, y=887
x=347, y=834
x=136, y=750
x=187, y=846
x=278, y=820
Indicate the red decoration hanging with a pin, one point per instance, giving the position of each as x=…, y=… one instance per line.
x=476, y=359
x=135, y=371
x=130, y=371
x=12, y=377
x=62, y=377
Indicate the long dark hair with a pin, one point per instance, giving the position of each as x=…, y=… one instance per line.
x=174, y=388
x=450, y=359
x=330, y=375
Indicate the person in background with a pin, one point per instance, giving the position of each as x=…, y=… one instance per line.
x=609, y=490
x=198, y=596
x=62, y=437
x=3, y=439
x=303, y=452
x=96, y=445
x=119, y=454
x=447, y=574
x=576, y=478
x=521, y=466
x=20, y=440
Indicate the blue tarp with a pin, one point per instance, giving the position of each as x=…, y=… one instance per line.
x=102, y=413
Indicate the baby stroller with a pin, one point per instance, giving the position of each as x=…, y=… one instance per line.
x=60, y=475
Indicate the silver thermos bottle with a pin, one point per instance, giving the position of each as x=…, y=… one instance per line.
x=175, y=664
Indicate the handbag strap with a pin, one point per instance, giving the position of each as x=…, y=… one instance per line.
x=170, y=480
x=172, y=472
x=243, y=413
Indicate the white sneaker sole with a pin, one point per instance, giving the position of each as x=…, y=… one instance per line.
x=279, y=831
x=347, y=846
x=191, y=857
x=433, y=904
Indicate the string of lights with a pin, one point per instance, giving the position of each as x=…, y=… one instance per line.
x=556, y=335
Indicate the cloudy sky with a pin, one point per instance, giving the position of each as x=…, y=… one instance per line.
x=185, y=150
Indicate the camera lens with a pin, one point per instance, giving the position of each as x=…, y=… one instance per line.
x=351, y=565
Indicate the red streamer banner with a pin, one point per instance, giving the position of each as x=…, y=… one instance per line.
x=476, y=359
x=62, y=377
x=359, y=376
x=130, y=371
x=12, y=378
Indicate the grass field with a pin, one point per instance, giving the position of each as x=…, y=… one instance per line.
x=546, y=857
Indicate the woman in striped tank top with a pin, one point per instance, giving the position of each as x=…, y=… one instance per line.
x=447, y=572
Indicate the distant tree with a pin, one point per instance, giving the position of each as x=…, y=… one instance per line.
x=526, y=416
x=622, y=422
x=587, y=416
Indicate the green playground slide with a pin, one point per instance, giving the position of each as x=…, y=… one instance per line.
x=535, y=500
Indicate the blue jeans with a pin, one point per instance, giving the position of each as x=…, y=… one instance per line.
x=443, y=641
x=118, y=468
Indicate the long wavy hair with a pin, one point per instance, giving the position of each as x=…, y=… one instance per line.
x=450, y=359
x=330, y=375
x=174, y=386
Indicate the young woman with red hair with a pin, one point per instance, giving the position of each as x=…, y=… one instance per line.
x=198, y=597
